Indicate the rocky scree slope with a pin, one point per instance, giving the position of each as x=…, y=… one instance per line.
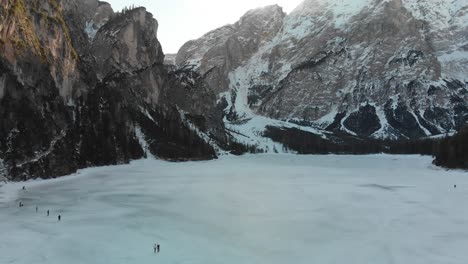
x=83, y=86
x=388, y=69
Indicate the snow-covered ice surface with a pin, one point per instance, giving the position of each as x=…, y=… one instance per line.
x=252, y=209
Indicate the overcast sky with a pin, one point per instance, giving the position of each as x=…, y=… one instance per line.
x=183, y=20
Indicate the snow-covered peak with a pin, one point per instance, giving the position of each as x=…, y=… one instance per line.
x=193, y=51
x=438, y=13
x=447, y=22
x=256, y=24
x=336, y=11
x=265, y=10
x=373, y=67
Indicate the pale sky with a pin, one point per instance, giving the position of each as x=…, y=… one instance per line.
x=183, y=20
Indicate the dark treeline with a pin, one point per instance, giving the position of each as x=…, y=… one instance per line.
x=125, y=10
x=453, y=152
x=450, y=152
x=308, y=143
x=237, y=148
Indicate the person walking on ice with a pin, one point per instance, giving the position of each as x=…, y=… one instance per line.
x=156, y=248
x=48, y=212
x=59, y=217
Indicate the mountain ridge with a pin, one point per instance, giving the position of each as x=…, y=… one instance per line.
x=82, y=85
x=389, y=55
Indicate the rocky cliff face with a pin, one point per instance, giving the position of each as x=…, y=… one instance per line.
x=221, y=51
x=71, y=97
x=378, y=68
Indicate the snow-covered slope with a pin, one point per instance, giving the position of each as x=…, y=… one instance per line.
x=448, y=22
x=386, y=69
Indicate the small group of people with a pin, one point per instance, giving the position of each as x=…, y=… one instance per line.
x=157, y=248
x=59, y=217
x=21, y=204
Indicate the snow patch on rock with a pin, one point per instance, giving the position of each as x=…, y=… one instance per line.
x=143, y=142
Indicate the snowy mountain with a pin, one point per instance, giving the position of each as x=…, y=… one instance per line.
x=82, y=85
x=378, y=68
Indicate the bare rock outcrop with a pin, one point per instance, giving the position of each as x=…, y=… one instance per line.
x=221, y=51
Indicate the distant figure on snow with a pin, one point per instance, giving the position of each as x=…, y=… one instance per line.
x=59, y=217
x=37, y=208
x=47, y=212
x=24, y=188
x=455, y=186
x=156, y=248
x=20, y=204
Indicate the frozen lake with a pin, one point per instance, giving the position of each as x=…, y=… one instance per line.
x=251, y=209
